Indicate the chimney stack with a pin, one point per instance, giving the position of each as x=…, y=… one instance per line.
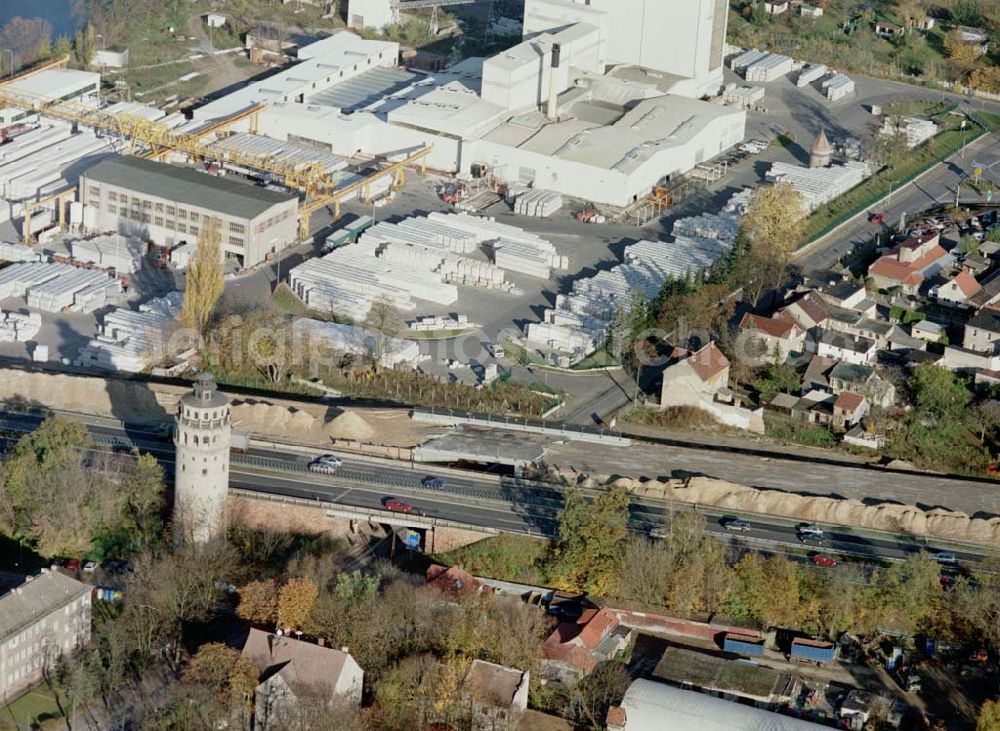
x=551, y=111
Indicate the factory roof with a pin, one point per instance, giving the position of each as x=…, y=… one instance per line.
x=452, y=109
x=52, y=83
x=366, y=89
x=186, y=185
x=653, y=125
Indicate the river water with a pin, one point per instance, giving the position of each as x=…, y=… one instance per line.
x=58, y=12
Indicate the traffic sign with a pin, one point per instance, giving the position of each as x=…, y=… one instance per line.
x=413, y=540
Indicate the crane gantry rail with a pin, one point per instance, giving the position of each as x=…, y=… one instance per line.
x=155, y=140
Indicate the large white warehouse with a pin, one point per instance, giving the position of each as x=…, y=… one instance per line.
x=547, y=112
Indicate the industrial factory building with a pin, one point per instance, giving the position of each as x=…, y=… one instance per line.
x=588, y=105
x=167, y=205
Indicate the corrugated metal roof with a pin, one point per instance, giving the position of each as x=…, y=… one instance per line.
x=186, y=185
x=367, y=88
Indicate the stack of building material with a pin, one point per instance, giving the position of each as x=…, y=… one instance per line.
x=488, y=230
x=769, y=68
x=127, y=339
x=838, y=86
x=518, y=256
x=744, y=97
x=112, y=251
x=579, y=322
x=18, y=253
x=917, y=130
x=76, y=289
x=440, y=322
x=55, y=165
x=360, y=342
x=538, y=203
x=17, y=279
x=19, y=327
x=324, y=283
x=746, y=59
x=810, y=74
x=820, y=185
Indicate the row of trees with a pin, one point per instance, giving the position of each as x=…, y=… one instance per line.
x=687, y=571
x=30, y=40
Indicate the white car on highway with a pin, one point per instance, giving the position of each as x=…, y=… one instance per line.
x=327, y=464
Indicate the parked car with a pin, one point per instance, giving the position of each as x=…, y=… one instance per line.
x=876, y=218
x=432, y=482
x=737, y=524
x=73, y=564
x=90, y=566
x=945, y=557
x=396, y=505
x=825, y=561
x=327, y=464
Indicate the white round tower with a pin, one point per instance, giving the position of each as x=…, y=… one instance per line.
x=201, y=470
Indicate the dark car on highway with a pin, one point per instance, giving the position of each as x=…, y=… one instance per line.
x=432, y=482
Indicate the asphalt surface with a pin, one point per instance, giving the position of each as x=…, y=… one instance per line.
x=480, y=500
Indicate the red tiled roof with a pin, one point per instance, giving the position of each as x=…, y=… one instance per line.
x=776, y=327
x=966, y=283
x=708, y=362
x=574, y=642
x=890, y=267
x=616, y=717
x=849, y=401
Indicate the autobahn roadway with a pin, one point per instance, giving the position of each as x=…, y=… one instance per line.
x=478, y=499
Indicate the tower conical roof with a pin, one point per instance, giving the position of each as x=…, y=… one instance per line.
x=822, y=145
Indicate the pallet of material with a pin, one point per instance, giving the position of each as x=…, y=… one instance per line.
x=58, y=294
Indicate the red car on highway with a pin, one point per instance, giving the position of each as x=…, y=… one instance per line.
x=397, y=505
x=824, y=561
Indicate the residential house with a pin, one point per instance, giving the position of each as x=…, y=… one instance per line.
x=815, y=407
x=958, y=290
x=40, y=619
x=863, y=379
x=987, y=378
x=454, y=580
x=498, y=695
x=927, y=330
x=982, y=331
x=701, y=380
x=574, y=649
x=849, y=295
x=849, y=409
x=770, y=339
x=888, y=30
x=846, y=347
x=776, y=7
x=296, y=674
x=910, y=263
x=976, y=37
x=809, y=310
x=989, y=291
x=817, y=375
x=900, y=341
x=976, y=263
x=963, y=359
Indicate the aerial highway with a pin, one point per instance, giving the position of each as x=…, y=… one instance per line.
x=480, y=500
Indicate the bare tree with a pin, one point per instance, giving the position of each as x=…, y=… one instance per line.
x=384, y=323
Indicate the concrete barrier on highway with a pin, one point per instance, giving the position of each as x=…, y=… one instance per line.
x=447, y=417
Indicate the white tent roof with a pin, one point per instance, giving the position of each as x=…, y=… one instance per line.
x=651, y=706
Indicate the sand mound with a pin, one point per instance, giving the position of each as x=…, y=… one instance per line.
x=938, y=523
x=349, y=425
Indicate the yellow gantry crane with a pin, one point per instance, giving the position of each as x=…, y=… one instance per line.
x=155, y=140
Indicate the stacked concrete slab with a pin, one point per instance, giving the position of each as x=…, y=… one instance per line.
x=79, y=290
x=19, y=326
x=359, y=341
x=18, y=253
x=126, y=338
x=17, y=279
x=579, y=322
x=810, y=74
x=112, y=251
x=538, y=203
x=51, y=160
x=820, y=185
x=838, y=86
